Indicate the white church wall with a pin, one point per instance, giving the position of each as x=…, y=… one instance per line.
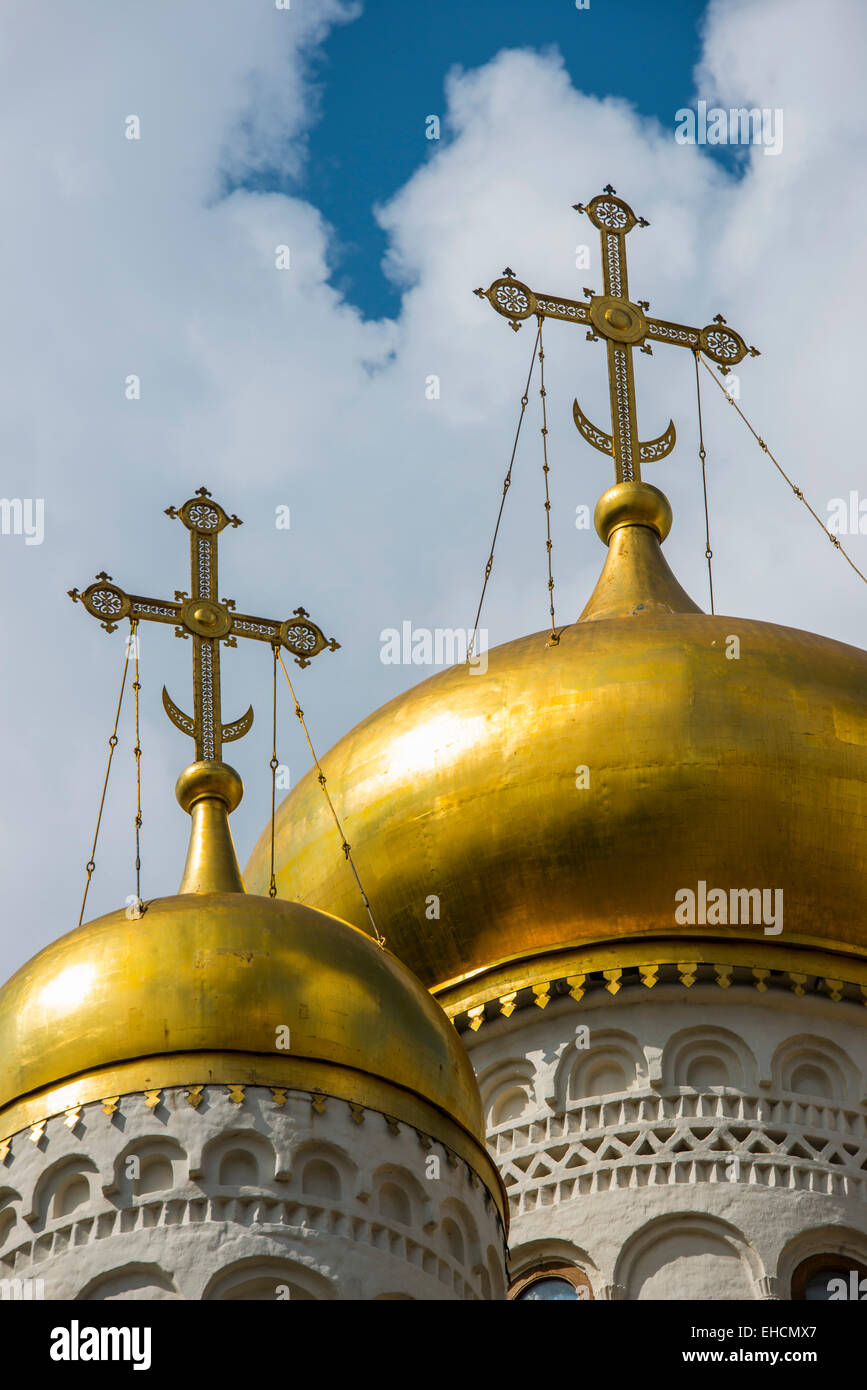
x=689, y=1144
x=244, y=1199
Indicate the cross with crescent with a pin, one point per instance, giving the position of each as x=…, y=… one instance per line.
x=209, y=620
x=624, y=325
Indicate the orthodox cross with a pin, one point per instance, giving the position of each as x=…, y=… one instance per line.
x=624, y=325
x=209, y=621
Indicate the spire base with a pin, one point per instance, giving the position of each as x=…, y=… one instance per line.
x=632, y=519
x=209, y=791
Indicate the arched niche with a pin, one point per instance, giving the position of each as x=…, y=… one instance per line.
x=266, y=1279
x=816, y=1069
x=64, y=1189
x=239, y=1158
x=707, y=1059
x=612, y=1063
x=149, y=1164
x=688, y=1255
x=507, y=1090
x=130, y=1282
x=399, y=1197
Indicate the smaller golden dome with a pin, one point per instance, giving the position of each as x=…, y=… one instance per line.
x=225, y=987
x=226, y=972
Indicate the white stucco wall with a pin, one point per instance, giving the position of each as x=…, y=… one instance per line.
x=244, y=1200
x=702, y=1144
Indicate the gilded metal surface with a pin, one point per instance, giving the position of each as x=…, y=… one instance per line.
x=225, y=973
x=501, y=983
x=743, y=772
x=624, y=325
x=632, y=518
x=209, y=792
x=234, y=1070
x=209, y=620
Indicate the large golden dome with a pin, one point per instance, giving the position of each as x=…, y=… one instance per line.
x=741, y=771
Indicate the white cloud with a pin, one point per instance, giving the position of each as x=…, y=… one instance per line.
x=122, y=256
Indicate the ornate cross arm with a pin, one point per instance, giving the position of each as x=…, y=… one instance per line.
x=516, y=301
x=108, y=602
x=209, y=621
x=624, y=325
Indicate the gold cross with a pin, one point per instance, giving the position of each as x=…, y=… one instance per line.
x=624, y=325
x=209, y=621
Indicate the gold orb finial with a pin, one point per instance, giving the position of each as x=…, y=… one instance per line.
x=632, y=504
x=211, y=779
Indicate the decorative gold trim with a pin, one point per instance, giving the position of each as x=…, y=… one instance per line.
x=470, y=996
x=687, y=971
x=594, y=955
x=321, y=1080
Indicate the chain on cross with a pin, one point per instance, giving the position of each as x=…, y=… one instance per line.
x=209, y=620
x=624, y=325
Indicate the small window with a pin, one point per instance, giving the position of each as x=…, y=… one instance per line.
x=549, y=1289
x=829, y=1279
x=552, y=1282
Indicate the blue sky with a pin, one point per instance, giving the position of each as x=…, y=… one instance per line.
x=382, y=74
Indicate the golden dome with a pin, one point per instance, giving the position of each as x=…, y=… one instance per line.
x=563, y=798
x=200, y=988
